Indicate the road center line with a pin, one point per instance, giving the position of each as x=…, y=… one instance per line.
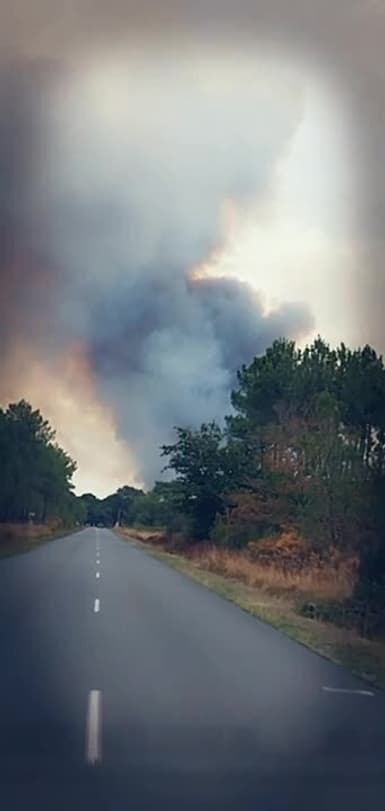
x=349, y=691
x=94, y=728
x=97, y=575
x=97, y=606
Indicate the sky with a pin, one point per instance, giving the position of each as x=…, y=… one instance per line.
x=182, y=184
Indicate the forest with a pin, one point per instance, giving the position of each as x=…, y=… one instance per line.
x=302, y=453
x=36, y=473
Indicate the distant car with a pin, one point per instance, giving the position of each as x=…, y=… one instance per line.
x=100, y=525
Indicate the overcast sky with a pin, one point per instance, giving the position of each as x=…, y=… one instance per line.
x=186, y=182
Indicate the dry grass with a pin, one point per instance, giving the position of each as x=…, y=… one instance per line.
x=284, y=565
x=332, y=579
x=364, y=657
x=12, y=532
x=271, y=580
x=152, y=535
x=18, y=538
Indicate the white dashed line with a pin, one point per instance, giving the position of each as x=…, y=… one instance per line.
x=97, y=606
x=97, y=575
x=348, y=691
x=94, y=728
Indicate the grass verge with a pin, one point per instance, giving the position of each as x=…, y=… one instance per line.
x=17, y=539
x=365, y=658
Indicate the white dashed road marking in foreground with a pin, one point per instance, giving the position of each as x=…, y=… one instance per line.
x=97, y=575
x=349, y=692
x=97, y=605
x=94, y=728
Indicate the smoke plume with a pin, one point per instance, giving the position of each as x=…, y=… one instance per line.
x=109, y=204
x=116, y=168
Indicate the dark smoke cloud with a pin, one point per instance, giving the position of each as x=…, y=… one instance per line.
x=100, y=226
x=345, y=37
x=179, y=368
x=235, y=312
x=106, y=218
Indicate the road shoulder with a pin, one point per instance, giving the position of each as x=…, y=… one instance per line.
x=364, y=658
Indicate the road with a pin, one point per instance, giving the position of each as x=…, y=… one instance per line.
x=125, y=685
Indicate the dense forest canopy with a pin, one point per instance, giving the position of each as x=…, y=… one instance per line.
x=303, y=450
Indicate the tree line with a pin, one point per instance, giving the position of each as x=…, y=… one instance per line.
x=302, y=450
x=36, y=473
x=131, y=506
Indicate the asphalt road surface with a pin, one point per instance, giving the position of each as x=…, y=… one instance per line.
x=125, y=685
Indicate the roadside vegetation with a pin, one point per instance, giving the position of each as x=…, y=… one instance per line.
x=19, y=538
x=36, y=498
x=287, y=499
